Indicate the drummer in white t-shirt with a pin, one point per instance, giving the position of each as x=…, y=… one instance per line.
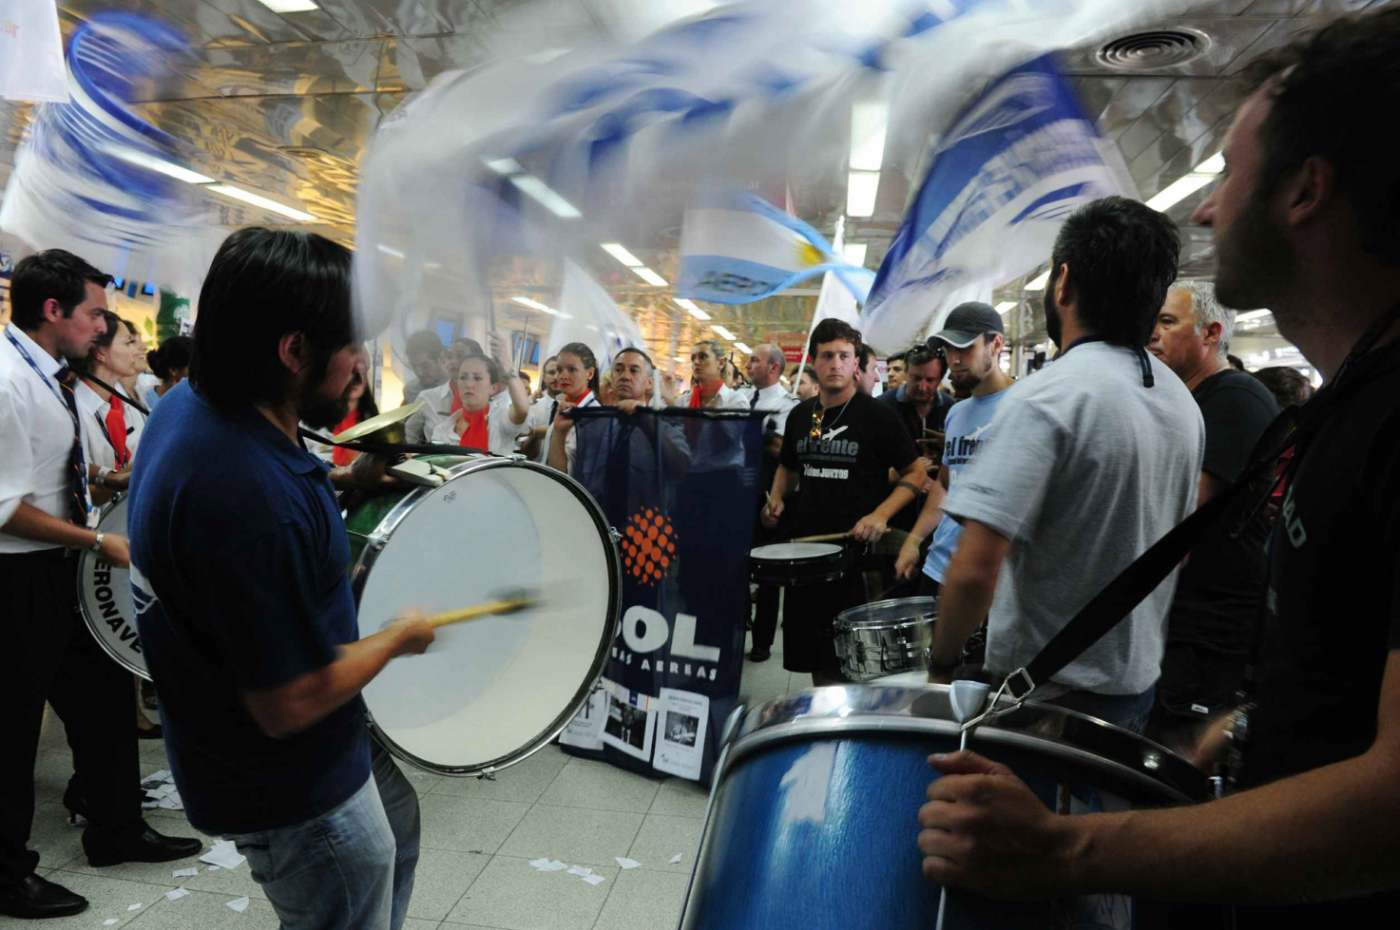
x=480, y=424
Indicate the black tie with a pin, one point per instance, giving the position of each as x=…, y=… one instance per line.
x=753, y=403
x=553, y=411
x=77, y=481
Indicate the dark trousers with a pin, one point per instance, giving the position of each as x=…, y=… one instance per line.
x=51, y=657
x=765, y=618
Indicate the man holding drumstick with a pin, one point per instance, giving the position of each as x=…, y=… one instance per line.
x=239, y=559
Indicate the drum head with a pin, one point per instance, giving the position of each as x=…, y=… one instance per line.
x=104, y=597
x=791, y=551
x=489, y=691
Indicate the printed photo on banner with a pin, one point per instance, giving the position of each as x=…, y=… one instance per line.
x=684, y=717
x=585, y=731
x=630, y=722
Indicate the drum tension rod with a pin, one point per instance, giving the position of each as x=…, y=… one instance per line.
x=992, y=712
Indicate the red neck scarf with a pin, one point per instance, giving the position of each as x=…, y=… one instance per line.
x=116, y=430
x=578, y=401
x=472, y=429
x=456, y=401
x=704, y=392
x=341, y=456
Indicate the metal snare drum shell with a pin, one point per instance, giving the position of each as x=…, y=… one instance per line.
x=886, y=637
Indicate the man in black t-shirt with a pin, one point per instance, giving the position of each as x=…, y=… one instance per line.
x=1304, y=221
x=1216, y=608
x=837, y=453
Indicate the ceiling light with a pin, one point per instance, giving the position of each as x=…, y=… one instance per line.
x=616, y=250
x=1197, y=178
x=722, y=331
x=290, y=6
x=861, y=188
x=392, y=253
x=1252, y=315
x=540, y=191
x=535, y=305
x=680, y=359
x=160, y=165
x=650, y=277
x=1039, y=282
x=688, y=305
x=868, y=122
x=854, y=252
x=257, y=200
x=743, y=348
x=1006, y=305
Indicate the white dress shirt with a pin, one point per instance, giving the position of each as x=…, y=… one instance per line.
x=92, y=421
x=571, y=440
x=437, y=404
x=36, y=436
x=729, y=399
x=777, y=402
x=500, y=431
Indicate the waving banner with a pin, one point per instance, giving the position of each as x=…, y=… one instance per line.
x=681, y=487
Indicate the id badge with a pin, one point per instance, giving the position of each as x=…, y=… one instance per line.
x=94, y=516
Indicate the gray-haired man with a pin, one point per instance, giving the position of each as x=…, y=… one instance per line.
x=1210, y=630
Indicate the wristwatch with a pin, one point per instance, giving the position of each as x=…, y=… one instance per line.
x=97, y=543
x=102, y=472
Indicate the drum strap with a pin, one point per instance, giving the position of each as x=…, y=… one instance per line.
x=1242, y=501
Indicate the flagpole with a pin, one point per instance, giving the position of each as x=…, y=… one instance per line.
x=836, y=242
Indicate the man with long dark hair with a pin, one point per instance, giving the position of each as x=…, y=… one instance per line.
x=245, y=611
x=1306, y=221
x=1044, y=540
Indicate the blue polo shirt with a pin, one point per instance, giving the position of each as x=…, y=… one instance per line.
x=239, y=559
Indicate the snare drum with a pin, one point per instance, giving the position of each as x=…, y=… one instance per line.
x=886, y=637
x=812, y=825
x=490, y=691
x=794, y=564
x=104, y=597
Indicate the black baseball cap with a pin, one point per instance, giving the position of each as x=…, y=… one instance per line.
x=965, y=323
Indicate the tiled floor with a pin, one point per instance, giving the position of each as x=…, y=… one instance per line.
x=478, y=838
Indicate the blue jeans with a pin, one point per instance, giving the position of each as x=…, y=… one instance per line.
x=349, y=869
x=1129, y=711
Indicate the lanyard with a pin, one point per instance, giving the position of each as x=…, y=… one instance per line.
x=48, y=382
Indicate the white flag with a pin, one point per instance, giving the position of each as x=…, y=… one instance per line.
x=588, y=315
x=31, y=52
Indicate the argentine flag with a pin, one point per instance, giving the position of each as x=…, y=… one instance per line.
x=1017, y=161
x=737, y=248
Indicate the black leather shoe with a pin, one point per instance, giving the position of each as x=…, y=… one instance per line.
x=760, y=655
x=34, y=898
x=153, y=731
x=150, y=846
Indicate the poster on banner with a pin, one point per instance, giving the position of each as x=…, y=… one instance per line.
x=630, y=721
x=683, y=717
x=585, y=731
x=681, y=488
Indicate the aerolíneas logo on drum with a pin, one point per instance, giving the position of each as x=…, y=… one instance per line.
x=648, y=546
x=122, y=628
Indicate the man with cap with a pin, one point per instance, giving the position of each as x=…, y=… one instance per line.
x=972, y=341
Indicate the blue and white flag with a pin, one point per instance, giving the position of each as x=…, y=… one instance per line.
x=737, y=248
x=1017, y=161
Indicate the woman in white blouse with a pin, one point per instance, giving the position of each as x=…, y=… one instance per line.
x=110, y=426
x=479, y=424
x=111, y=429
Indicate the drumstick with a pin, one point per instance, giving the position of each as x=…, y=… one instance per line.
x=889, y=543
x=488, y=608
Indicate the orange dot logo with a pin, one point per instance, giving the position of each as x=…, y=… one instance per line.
x=648, y=546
